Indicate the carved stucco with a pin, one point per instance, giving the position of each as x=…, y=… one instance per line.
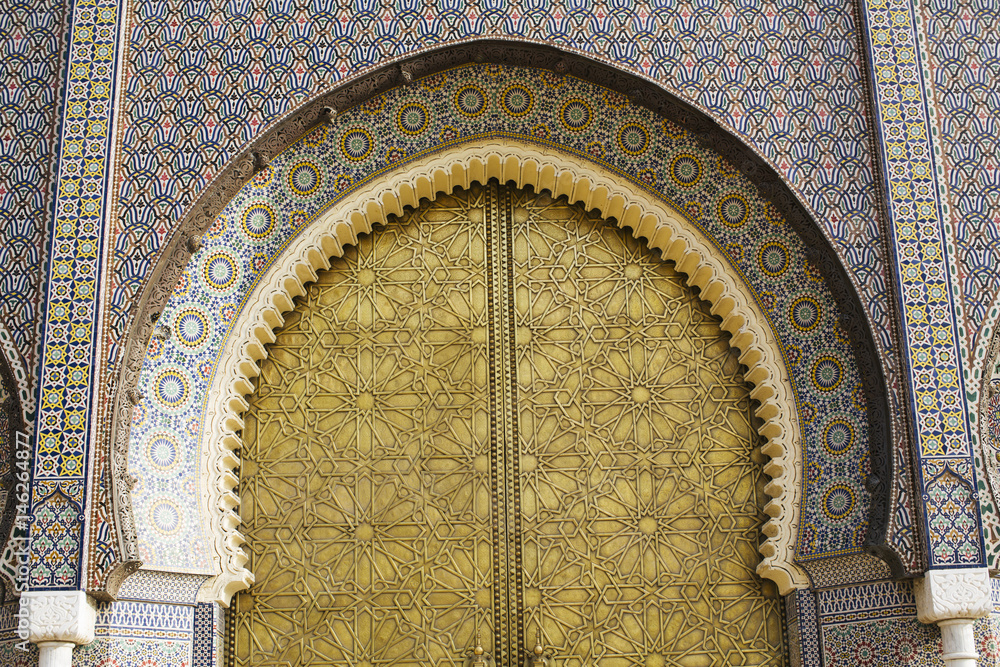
x=508, y=161
x=60, y=616
x=950, y=594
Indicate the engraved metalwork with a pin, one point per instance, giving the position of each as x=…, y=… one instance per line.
x=502, y=415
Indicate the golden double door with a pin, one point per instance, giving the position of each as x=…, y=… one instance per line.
x=502, y=417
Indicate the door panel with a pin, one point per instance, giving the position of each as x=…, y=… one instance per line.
x=502, y=416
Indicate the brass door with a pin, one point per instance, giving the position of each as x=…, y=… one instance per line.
x=502, y=417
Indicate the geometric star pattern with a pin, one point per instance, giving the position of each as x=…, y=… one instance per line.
x=503, y=417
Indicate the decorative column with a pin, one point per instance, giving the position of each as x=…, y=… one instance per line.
x=58, y=621
x=954, y=599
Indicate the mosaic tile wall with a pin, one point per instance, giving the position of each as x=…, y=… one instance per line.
x=155, y=623
x=876, y=625
x=988, y=463
x=140, y=634
x=784, y=76
x=471, y=104
x=209, y=635
x=32, y=42
x=963, y=42
x=14, y=652
x=803, y=629
x=205, y=78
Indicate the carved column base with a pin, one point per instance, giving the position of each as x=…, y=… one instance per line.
x=58, y=621
x=954, y=599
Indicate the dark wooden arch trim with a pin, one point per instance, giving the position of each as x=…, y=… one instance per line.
x=112, y=479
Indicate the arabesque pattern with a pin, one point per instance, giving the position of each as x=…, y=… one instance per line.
x=963, y=44
x=71, y=313
x=203, y=80
x=503, y=416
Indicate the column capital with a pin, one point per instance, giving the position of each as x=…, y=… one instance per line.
x=60, y=616
x=953, y=594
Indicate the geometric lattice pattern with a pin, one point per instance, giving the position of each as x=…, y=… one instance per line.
x=533, y=106
x=921, y=237
x=503, y=416
x=962, y=39
x=640, y=478
x=899, y=641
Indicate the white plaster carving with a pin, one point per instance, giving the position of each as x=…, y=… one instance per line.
x=949, y=594
x=459, y=166
x=60, y=616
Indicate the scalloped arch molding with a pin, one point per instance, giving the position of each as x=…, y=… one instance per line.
x=530, y=127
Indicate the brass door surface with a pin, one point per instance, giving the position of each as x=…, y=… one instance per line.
x=502, y=417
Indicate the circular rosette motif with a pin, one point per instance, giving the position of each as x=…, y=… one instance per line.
x=258, y=221
x=304, y=179
x=357, y=144
x=171, y=389
x=685, y=170
x=827, y=373
x=838, y=436
x=165, y=516
x=193, y=328
x=162, y=451
x=220, y=272
x=517, y=100
x=734, y=210
x=413, y=118
x=838, y=502
x=633, y=138
x=805, y=313
x=470, y=100
x=576, y=115
x=773, y=258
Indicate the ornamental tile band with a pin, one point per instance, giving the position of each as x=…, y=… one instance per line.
x=463, y=105
x=67, y=354
x=929, y=315
x=32, y=39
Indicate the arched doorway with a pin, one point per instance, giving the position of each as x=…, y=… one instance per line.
x=501, y=416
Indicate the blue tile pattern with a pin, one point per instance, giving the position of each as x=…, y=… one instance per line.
x=209, y=635
x=203, y=80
